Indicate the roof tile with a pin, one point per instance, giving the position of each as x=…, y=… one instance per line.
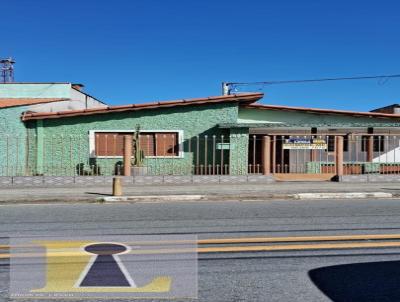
x=239, y=98
x=322, y=111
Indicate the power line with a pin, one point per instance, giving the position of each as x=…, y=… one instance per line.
x=381, y=77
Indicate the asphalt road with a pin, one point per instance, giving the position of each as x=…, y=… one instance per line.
x=362, y=274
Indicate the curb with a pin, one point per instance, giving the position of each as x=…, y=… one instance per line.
x=247, y=197
x=204, y=197
x=347, y=195
x=152, y=198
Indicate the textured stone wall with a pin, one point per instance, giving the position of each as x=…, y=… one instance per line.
x=239, y=139
x=65, y=141
x=13, y=142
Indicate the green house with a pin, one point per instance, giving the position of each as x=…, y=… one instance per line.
x=177, y=137
x=221, y=135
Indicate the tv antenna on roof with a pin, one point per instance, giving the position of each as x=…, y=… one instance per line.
x=7, y=70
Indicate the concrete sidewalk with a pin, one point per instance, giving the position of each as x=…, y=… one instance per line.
x=278, y=190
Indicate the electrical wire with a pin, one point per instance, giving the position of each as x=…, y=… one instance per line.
x=383, y=79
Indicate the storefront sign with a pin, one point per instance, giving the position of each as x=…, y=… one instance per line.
x=305, y=144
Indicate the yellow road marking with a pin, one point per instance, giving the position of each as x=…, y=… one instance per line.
x=261, y=239
x=297, y=247
x=299, y=239
x=222, y=249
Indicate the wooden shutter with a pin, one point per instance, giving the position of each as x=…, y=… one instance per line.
x=148, y=143
x=109, y=143
x=167, y=144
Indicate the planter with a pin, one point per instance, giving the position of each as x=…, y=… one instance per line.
x=139, y=171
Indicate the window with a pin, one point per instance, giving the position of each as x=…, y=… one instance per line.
x=160, y=143
x=379, y=143
x=153, y=144
x=331, y=143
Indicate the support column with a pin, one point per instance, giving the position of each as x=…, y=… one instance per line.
x=39, y=147
x=313, y=155
x=339, y=155
x=127, y=154
x=370, y=148
x=266, y=155
x=239, y=151
x=274, y=154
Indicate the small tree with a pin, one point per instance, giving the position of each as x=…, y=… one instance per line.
x=137, y=150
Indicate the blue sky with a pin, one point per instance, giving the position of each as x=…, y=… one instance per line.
x=130, y=51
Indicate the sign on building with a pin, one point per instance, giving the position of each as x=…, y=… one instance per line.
x=305, y=144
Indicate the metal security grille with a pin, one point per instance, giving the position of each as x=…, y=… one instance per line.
x=363, y=154
x=165, y=153
x=169, y=154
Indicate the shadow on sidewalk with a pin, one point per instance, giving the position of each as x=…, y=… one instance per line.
x=372, y=281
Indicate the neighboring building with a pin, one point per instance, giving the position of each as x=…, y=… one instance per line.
x=19, y=98
x=213, y=135
x=393, y=109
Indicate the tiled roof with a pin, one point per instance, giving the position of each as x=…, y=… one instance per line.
x=322, y=125
x=322, y=111
x=245, y=98
x=13, y=102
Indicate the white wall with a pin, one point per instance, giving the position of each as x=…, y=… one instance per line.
x=78, y=101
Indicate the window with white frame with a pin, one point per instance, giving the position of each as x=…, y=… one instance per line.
x=110, y=143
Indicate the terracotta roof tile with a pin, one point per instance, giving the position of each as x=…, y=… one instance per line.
x=245, y=98
x=13, y=102
x=322, y=111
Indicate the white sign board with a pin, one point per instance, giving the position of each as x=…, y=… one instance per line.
x=305, y=144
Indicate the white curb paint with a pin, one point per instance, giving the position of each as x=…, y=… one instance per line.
x=342, y=195
x=153, y=198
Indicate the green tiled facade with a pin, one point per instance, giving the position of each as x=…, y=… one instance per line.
x=13, y=142
x=63, y=144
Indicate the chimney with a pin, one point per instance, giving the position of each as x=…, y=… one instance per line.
x=78, y=86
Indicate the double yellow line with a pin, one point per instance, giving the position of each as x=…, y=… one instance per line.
x=300, y=240
x=232, y=245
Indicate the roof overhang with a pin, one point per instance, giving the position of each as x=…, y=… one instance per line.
x=307, y=126
x=245, y=98
x=322, y=111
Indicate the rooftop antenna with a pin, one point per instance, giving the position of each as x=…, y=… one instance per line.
x=7, y=70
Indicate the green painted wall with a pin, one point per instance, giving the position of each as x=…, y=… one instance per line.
x=65, y=141
x=13, y=142
x=15, y=90
x=247, y=115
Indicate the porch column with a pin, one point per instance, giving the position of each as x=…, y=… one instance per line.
x=339, y=155
x=274, y=154
x=313, y=155
x=39, y=147
x=239, y=151
x=370, y=148
x=266, y=155
x=127, y=154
